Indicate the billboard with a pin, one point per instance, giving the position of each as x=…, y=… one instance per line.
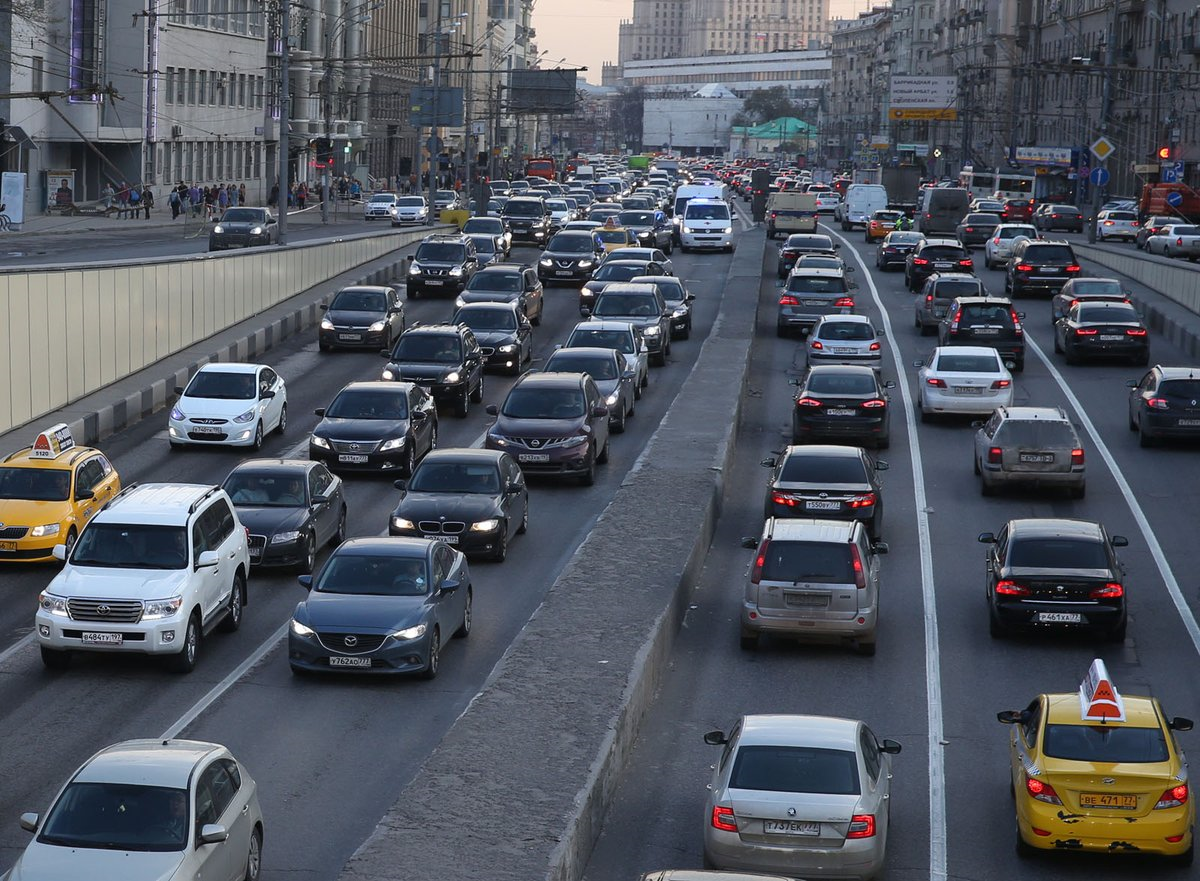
x=923, y=97
x=449, y=110
x=541, y=91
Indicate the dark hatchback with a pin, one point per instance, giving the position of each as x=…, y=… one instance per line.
x=799, y=244
x=1165, y=403
x=644, y=308
x=1040, y=266
x=1047, y=574
x=473, y=499
x=935, y=255
x=895, y=248
x=570, y=256
x=290, y=508
x=841, y=402
x=1102, y=330
x=444, y=358
x=985, y=321
x=243, y=228
x=614, y=270
x=976, y=229
x=375, y=426
x=506, y=283
x=1079, y=290
x=826, y=481
x=505, y=336
x=363, y=316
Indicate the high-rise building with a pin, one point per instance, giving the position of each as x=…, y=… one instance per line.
x=655, y=31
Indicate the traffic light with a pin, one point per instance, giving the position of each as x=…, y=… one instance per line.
x=1164, y=153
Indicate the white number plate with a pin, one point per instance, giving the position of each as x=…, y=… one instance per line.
x=350, y=337
x=840, y=412
x=562, y=272
x=102, y=638
x=986, y=331
x=1059, y=617
x=533, y=457
x=822, y=506
x=1037, y=457
x=843, y=350
x=1188, y=423
x=352, y=458
x=1111, y=337
x=433, y=281
x=942, y=265
x=206, y=429
x=336, y=661
x=448, y=539
x=790, y=827
x=814, y=302
x=967, y=390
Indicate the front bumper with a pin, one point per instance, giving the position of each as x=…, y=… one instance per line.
x=565, y=273
x=554, y=462
x=158, y=637
x=231, y=434
x=391, y=460
x=265, y=555
x=221, y=242
x=440, y=284
x=535, y=236
x=494, y=359
x=32, y=550
x=393, y=656
x=352, y=338
x=466, y=541
x=700, y=241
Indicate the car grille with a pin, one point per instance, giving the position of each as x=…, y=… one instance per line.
x=351, y=327
x=109, y=611
x=197, y=421
x=565, y=264
x=433, y=271
x=346, y=446
x=539, y=443
x=452, y=527
x=198, y=436
x=14, y=531
x=351, y=643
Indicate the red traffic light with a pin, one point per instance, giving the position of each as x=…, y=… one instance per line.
x=1164, y=152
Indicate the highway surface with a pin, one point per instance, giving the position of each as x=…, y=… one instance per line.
x=938, y=678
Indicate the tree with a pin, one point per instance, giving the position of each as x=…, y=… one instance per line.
x=763, y=105
x=628, y=105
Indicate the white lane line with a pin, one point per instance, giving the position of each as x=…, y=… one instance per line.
x=224, y=685
x=933, y=664
x=16, y=647
x=1152, y=544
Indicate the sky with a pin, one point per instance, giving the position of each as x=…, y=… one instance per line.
x=585, y=33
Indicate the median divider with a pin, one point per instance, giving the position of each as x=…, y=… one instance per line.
x=518, y=788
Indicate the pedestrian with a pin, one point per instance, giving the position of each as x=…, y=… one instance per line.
x=355, y=190
x=122, y=199
x=273, y=198
x=196, y=197
x=222, y=199
x=135, y=199
x=301, y=195
x=106, y=194
x=210, y=203
x=173, y=201
x=147, y=200
x=242, y=195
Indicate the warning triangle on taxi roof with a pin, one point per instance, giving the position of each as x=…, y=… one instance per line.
x=1098, y=697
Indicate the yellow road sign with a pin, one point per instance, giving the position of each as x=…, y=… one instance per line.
x=947, y=113
x=1102, y=148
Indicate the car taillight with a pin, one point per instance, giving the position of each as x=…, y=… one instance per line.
x=774, y=214
x=970, y=229
x=1054, y=215
x=860, y=575
x=1110, y=591
x=1174, y=797
x=1042, y=791
x=789, y=300
x=1016, y=320
x=874, y=347
x=861, y=826
x=1108, y=223
x=723, y=819
x=866, y=500
x=1157, y=403
x=1074, y=267
x=996, y=240
x=1134, y=222
x=792, y=254
x=874, y=403
x=966, y=262
x=755, y=577
x=1024, y=267
x=1077, y=456
x=928, y=299
x=1001, y=383
x=816, y=344
x=1136, y=331
x=783, y=499
x=935, y=382
x=844, y=303
x=995, y=455
x=920, y=261
x=1086, y=331
x=1010, y=588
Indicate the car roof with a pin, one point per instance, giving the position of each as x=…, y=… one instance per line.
x=942, y=242
x=230, y=367
x=612, y=261
x=825, y=451
x=955, y=276
x=1046, y=414
x=1140, y=712
x=843, y=369
x=506, y=267
x=399, y=547
x=463, y=454
x=848, y=319
x=819, y=271
x=162, y=504
x=809, y=529
x=1054, y=527
x=795, y=730
x=1178, y=372
x=377, y=385
x=444, y=328
x=488, y=306
x=550, y=379
x=147, y=762
x=581, y=352
x=989, y=300
x=966, y=350
x=370, y=288
x=62, y=462
x=274, y=465
x=627, y=287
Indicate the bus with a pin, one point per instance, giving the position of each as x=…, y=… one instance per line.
x=1005, y=184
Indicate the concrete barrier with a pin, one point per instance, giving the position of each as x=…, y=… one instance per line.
x=518, y=788
x=71, y=330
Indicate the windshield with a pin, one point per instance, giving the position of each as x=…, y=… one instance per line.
x=369, y=404
x=981, y=220
x=840, y=384
x=556, y=205
x=636, y=218
x=119, y=816
x=242, y=215
x=807, y=468
x=411, y=202
x=131, y=546
x=373, y=575
x=222, y=385
x=817, y=284
x=613, y=236
x=544, y=403
x=383, y=197
x=1033, y=433
x=950, y=363
x=359, y=301
x=597, y=367
x=516, y=208
x=626, y=304
x=1113, y=312
x=618, y=271
x=846, y=330
x=575, y=244
x=795, y=769
x=444, y=252
x=706, y=212
x=1184, y=231
x=1109, y=744
x=35, y=484
x=456, y=477
x=601, y=189
x=491, y=225
x=620, y=340
x=487, y=319
x=505, y=282
x=439, y=349
x=269, y=489
x=1057, y=553
x=485, y=244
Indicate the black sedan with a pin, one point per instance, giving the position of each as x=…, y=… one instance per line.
x=242, y=228
x=506, y=283
x=382, y=606
x=289, y=507
x=473, y=499
x=895, y=247
x=375, y=426
x=504, y=334
x=841, y=402
x=828, y=482
x=678, y=299
x=976, y=229
x=1102, y=330
x=799, y=244
x=363, y=316
x=615, y=269
x=1165, y=403
x=1079, y=290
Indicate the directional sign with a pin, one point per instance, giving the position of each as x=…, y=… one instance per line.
x=1099, y=176
x=1102, y=148
x=1175, y=199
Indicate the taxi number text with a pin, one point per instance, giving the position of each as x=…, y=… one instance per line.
x=1108, y=800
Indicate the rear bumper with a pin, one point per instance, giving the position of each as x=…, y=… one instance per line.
x=1024, y=615
x=1106, y=834
x=854, y=859
x=994, y=476
x=938, y=401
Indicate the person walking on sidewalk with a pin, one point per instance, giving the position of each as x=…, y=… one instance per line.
x=273, y=198
x=301, y=195
x=135, y=199
x=196, y=198
x=173, y=201
x=106, y=195
x=147, y=200
x=242, y=195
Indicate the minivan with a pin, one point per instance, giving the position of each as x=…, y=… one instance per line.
x=941, y=208
x=707, y=225
x=862, y=200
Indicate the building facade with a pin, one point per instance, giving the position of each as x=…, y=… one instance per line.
x=804, y=74
x=742, y=26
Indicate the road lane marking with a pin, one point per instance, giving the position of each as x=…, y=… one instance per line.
x=16, y=647
x=933, y=664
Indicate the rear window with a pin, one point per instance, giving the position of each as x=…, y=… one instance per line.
x=820, y=562
x=1185, y=231
x=1181, y=388
x=1114, y=312
x=823, y=469
x=1097, y=286
x=840, y=384
x=985, y=315
x=1105, y=743
x=795, y=769
x=811, y=242
x=1057, y=553
x=1050, y=254
x=1065, y=210
x=1122, y=215
x=981, y=220
x=942, y=252
x=817, y=284
x=1035, y=433
x=846, y=330
x=1013, y=232
x=951, y=363
x=948, y=290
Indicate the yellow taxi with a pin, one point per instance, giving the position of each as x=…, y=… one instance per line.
x=882, y=223
x=614, y=237
x=1096, y=771
x=48, y=492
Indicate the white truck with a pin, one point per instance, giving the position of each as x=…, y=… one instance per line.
x=862, y=200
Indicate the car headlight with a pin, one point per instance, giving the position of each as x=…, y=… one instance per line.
x=679, y=312
x=650, y=331
x=498, y=439
x=301, y=629
x=576, y=440
x=388, y=375
x=378, y=326
x=612, y=399
x=727, y=230
x=401, y=523
x=485, y=525
x=326, y=324
x=585, y=264
x=248, y=416
x=257, y=231
x=545, y=262
x=393, y=444
x=452, y=377
x=508, y=348
x=414, y=268
x=459, y=302
x=410, y=632
x=156, y=609
x=52, y=605
x=218, y=229
x=320, y=442
x=282, y=538
x=177, y=414
x=47, y=529
x=456, y=271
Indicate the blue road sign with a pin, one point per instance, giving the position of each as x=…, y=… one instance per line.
x=1175, y=199
x=1099, y=176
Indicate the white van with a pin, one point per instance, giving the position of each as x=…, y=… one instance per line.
x=585, y=174
x=707, y=224
x=684, y=194
x=862, y=200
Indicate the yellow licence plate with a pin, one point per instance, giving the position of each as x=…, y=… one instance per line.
x=1108, y=800
x=8, y=545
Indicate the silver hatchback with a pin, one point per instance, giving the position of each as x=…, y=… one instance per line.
x=1029, y=446
x=845, y=339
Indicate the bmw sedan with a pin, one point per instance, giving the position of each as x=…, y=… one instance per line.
x=375, y=426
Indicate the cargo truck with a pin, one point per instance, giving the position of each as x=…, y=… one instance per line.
x=903, y=184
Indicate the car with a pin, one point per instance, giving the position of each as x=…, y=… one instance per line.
x=1152, y=226
x=810, y=294
x=553, y=424
x=895, y=247
x=650, y=255
x=677, y=298
x=643, y=307
x=846, y=402
x=936, y=295
x=442, y=264
x=1176, y=240
x=881, y=223
x=1040, y=266
x=48, y=493
x=962, y=379
x=444, y=358
x=1102, y=330
x=375, y=426
x=446, y=200
x=987, y=206
x=487, y=249
x=651, y=228
x=503, y=333
x=149, y=810
x=1117, y=224
x=560, y=213
x=1165, y=404
x=611, y=271
x=827, y=201
x=985, y=321
x=1050, y=217
x=243, y=228
x=228, y=404
x=602, y=213
x=803, y=795
x=382, y=606
x=976, y=228
x=515, y=283
x=361, y=316
x=998, y=249
x=803, y=243
x=935, y=255
x=1029, y=446
x=585, y=225
x=1017, y=211
x=844, y=339
x=379, y=206
x=472, y=499
x=409, y=210
x=1080, y=290
x=1053, y=574
x=613, y=377
x=826, y=481
x=620, y=335
x=290, y=508
x=1097, y=771
x=570, y=256
x=611, y=236
x=527, y=218
x=821, y=261
x=154, y=572
x=492, y=226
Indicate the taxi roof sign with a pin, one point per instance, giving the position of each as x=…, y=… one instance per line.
x=611, y=223
x=52, y=442
x=1098, y=697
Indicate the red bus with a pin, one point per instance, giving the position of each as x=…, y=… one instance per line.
x=541, y=166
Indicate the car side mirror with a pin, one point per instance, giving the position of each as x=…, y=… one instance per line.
x=450, y=585
x=891, y=747
x=749, y=542
x=385, y=353
x=59, y=552
x=513, y=488
x=207, y=559
x=716, y=738
x=1120, y=541
x=880, y=547
x=306, y=581
x=851, y=269
x=271, y=220
x=599, y=410
x=978, y=423
x=323, y=307
x=492, y=410
x=585, y=311
x=1131, y=383
x=986, y=538
x=212, y=833
x=768, y=462
x=881, y=465
x=266, y=394
x=29, y=822
x=319, y=499
x=918, y=364
x=320, y=411
x=1009, y=717
x=837, y=246
x=1021, y=315
x=1179, y=723
x=689, y=297
x=629, y=374
x=889, y=384
x=84, y=495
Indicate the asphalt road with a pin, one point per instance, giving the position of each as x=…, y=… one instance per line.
x=938, y=678
x=330, y=754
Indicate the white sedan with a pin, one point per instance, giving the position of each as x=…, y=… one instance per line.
x=962, y=379
x=229, y=404
x=1176, y=240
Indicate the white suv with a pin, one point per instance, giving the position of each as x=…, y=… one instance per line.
x=998, y=248
x=229, y=404
x=159, y=567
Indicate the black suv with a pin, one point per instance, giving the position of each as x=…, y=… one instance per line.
x=938, y=293
x=443, y=264
x=445, y=358
x=985, y=321
x=1044, y=573
x=571, y=256
x=1040, y=266
x=935, y=255
x=528, y=219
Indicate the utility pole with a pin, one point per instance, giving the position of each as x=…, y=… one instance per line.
x=148, y=158
x=469, y=163
x=1110, y=57
x=431, y=183
x=285, y=100
x=327, y=147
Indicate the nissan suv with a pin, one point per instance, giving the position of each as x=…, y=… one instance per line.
x=985, y=321
x=445, y=358
x=159, y=568
x=442, y=264
x=1040, y=266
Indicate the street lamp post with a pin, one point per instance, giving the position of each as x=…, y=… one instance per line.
x=285, y=98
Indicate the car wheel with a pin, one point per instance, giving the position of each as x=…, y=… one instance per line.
x=254, y=857
x=882, y=443
x=410, y=461
x=184, y=661
x=637, y=393
x=996, y=630
x=1057, y=345
x=781, y=330
x=55, y=660
x=282, y=426
x=749, y=643
x=524, y=527
x=1117, y=634
x=588, y=478
x=435, y=656
x=477, y=398
x=1019, y=365
x=464, y=629
x=1078, y=492
x=536, y=322
x=258, y=437
x=618, y=427
x=646, y=379
x=323, y=347
x=237, y=600
x=975, y=462
x=309, y=562
x=501, y=553
x=1133, y=426
x=1143, y=359
x=462, y=407
x=339, y=534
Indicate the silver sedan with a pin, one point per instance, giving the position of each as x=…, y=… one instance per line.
x=845, y=339
x=803, y=795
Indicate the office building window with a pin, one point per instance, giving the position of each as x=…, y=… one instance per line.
x=86, y=56
x=36, y=66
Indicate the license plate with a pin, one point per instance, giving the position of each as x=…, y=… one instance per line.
x=102, y=638
x=433, y=281
x=12, y=545
x=813, y=302
x=563, y=272
x=790, y=827
x=807, y=600
x=350, y=337
x=843, y=350
x=1182, y=423
x=967, y=390
x=352, y=458
x=1037, y=457
x=1111, y=337
x=1113, y=800
x=942, y=265
x=206, y=429
x=1059, y=617
x=986, y=331
x=533, y=457
x=337, y=661
x=1047, y=270
x=448, y=539
x=840, y=412
x=255, y=553
x=822, y=506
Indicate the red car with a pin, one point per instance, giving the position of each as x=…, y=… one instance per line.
x=1017, y=211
